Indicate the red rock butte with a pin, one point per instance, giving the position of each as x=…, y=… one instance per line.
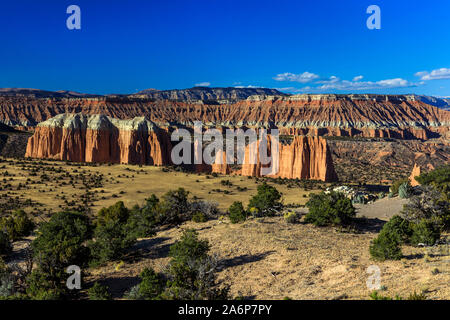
x=99, y=138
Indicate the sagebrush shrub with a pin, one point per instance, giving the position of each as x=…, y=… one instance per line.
x=396, y=185
x=291, y=217
x=209, y=209
x=199, y=217
x=405, y=190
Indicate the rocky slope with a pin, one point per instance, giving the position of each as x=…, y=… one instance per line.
x=376, y=160
x=98, y=138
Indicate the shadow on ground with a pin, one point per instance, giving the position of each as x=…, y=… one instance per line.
x=150, y=248
x=119, y=286
x=369, y=225
x=244, y=259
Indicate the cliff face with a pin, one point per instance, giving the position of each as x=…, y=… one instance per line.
x=81, y=138
x=402, y=117
x=303, y=158
x=98, y=138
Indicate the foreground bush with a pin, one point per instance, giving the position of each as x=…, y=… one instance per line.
x=17, y=225
x=412, y=296
x=386, y=247
x=192, y=271
x=143, y=220
x=110, y=242
x=266, y=200
x=99, y=292
x=199, y=217
x=7, y=281
x=116, y=213
x=237, y=212
x=152, y=285
x=191, y=274
x=397, y=226
x=5, y=244
x=59, y=244
x=425, y=232
x=329, y=209
x=175, y=207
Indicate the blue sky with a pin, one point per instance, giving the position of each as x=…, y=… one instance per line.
x=299, y=46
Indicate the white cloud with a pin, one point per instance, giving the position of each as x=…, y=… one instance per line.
x=203, y=84
x=332, y=79
x=249, y=86
x=302, y=78
x=367, y=85
x=335, y=83
x=437, y=74
x=294, y=90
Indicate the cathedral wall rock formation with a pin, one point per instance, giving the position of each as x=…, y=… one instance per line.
x=99, y=138
x=302, y=158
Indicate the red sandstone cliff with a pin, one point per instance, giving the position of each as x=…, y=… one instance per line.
x=303, y=158
x=100, y=139
x=400, y=117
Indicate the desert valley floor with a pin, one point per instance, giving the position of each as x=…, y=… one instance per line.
x=298, y=261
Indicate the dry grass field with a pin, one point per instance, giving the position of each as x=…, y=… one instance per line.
x=268, y=258
x=54, y=183
x=263, y=258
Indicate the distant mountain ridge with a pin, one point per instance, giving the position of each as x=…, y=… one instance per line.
x=442, y=103
x=230, y=94
x=195, y=94
x=38, y=93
